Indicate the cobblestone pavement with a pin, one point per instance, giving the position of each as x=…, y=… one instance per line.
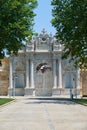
x=43, y=114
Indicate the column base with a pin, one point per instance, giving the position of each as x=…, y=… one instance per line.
x=17, y=92
x=57, y=91
x=76, y=91
x=10, y=91
x=65, y=91
x=29, y=91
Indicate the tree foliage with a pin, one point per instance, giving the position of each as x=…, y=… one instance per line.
x=70, y=21
x=16, y=24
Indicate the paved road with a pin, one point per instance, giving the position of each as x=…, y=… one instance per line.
x=43, y=114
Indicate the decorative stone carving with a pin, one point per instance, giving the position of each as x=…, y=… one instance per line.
x=43, y=67
x=44, y=70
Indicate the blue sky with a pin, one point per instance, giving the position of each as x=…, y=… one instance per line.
x=44, y=16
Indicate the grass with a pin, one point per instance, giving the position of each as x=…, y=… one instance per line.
x=5, y=100
x=80, y=101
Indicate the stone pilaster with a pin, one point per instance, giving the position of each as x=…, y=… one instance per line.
x=78, y=78
x=55, y=91
x=60, y=73
x=30, y=90
x=27, y=73
x=32, y=74
x=10, y=89
x=54, y=74
x=78, y=82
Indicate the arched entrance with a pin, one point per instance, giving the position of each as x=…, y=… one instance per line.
x=43, y=80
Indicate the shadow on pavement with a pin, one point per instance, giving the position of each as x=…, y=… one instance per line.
x=45, y=100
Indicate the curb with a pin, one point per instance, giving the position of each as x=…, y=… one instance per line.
x=79, y=103
x=14, y=100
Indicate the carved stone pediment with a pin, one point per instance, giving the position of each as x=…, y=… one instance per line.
x=43, y=35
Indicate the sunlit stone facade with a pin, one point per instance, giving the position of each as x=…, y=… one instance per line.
x=55, y=77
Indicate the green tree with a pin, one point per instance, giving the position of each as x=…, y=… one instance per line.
x=16, y=24
x=70, y=21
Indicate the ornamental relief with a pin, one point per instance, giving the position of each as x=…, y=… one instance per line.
x=44, y=41
x=42, y=64
x=43, y=67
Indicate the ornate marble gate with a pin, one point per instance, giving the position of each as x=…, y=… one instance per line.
x=51, y=78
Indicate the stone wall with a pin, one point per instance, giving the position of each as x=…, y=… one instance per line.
x=4, y=79
x=4, y=76
x=84, y=83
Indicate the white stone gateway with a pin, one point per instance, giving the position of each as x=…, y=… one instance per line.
x=38, y=70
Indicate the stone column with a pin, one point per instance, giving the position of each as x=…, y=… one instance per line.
x=78, y=78
x=11, y=73
x=10, y=89
x=60, y=73
x=54, y=74
x=32, y=74
x=27, y=73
